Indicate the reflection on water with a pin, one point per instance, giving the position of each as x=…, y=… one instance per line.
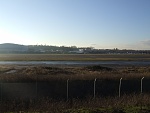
x=11, y=71
x=76, y=62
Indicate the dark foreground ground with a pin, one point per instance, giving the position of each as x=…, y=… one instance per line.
x=70, y=89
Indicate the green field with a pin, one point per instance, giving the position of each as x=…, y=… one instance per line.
x=73, y=57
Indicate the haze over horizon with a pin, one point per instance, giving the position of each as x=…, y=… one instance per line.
x=102, y=24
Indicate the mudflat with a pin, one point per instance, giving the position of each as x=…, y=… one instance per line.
x=74, y=57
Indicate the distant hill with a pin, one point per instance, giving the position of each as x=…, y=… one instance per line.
x=48, y=49
x=12, y=48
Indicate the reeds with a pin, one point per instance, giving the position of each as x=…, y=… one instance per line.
x=110, y=104
x=48, y=73
x=107, y=79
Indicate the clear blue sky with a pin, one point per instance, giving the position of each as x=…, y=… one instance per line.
x=97, y=23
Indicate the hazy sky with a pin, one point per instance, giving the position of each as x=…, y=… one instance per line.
x=97, y=23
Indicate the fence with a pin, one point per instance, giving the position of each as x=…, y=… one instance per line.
x=61, y=89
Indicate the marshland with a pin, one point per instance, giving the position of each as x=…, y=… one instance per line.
x=69, y=88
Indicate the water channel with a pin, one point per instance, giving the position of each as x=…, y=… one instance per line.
x=75, y=63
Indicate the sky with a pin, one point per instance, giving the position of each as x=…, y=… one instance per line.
x=103, y=24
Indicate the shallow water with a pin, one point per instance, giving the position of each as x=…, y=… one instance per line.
x=75, y=62
x=11, y=71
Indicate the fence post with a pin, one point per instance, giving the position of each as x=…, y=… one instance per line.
x=36, y=87
x=1, y=91
x=120, y=87
x=94, y=87
x=142, y=85
x=141, y=92
x=67, y=89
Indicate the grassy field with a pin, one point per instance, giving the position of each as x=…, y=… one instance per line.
x=125, y=104
x=73, y=57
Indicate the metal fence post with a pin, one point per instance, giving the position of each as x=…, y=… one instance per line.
x=67, y=89
x=36, y=86
x=1, y=91
x=142, y=85
x=120, y=87
x=141, y=101
x=94, y=87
